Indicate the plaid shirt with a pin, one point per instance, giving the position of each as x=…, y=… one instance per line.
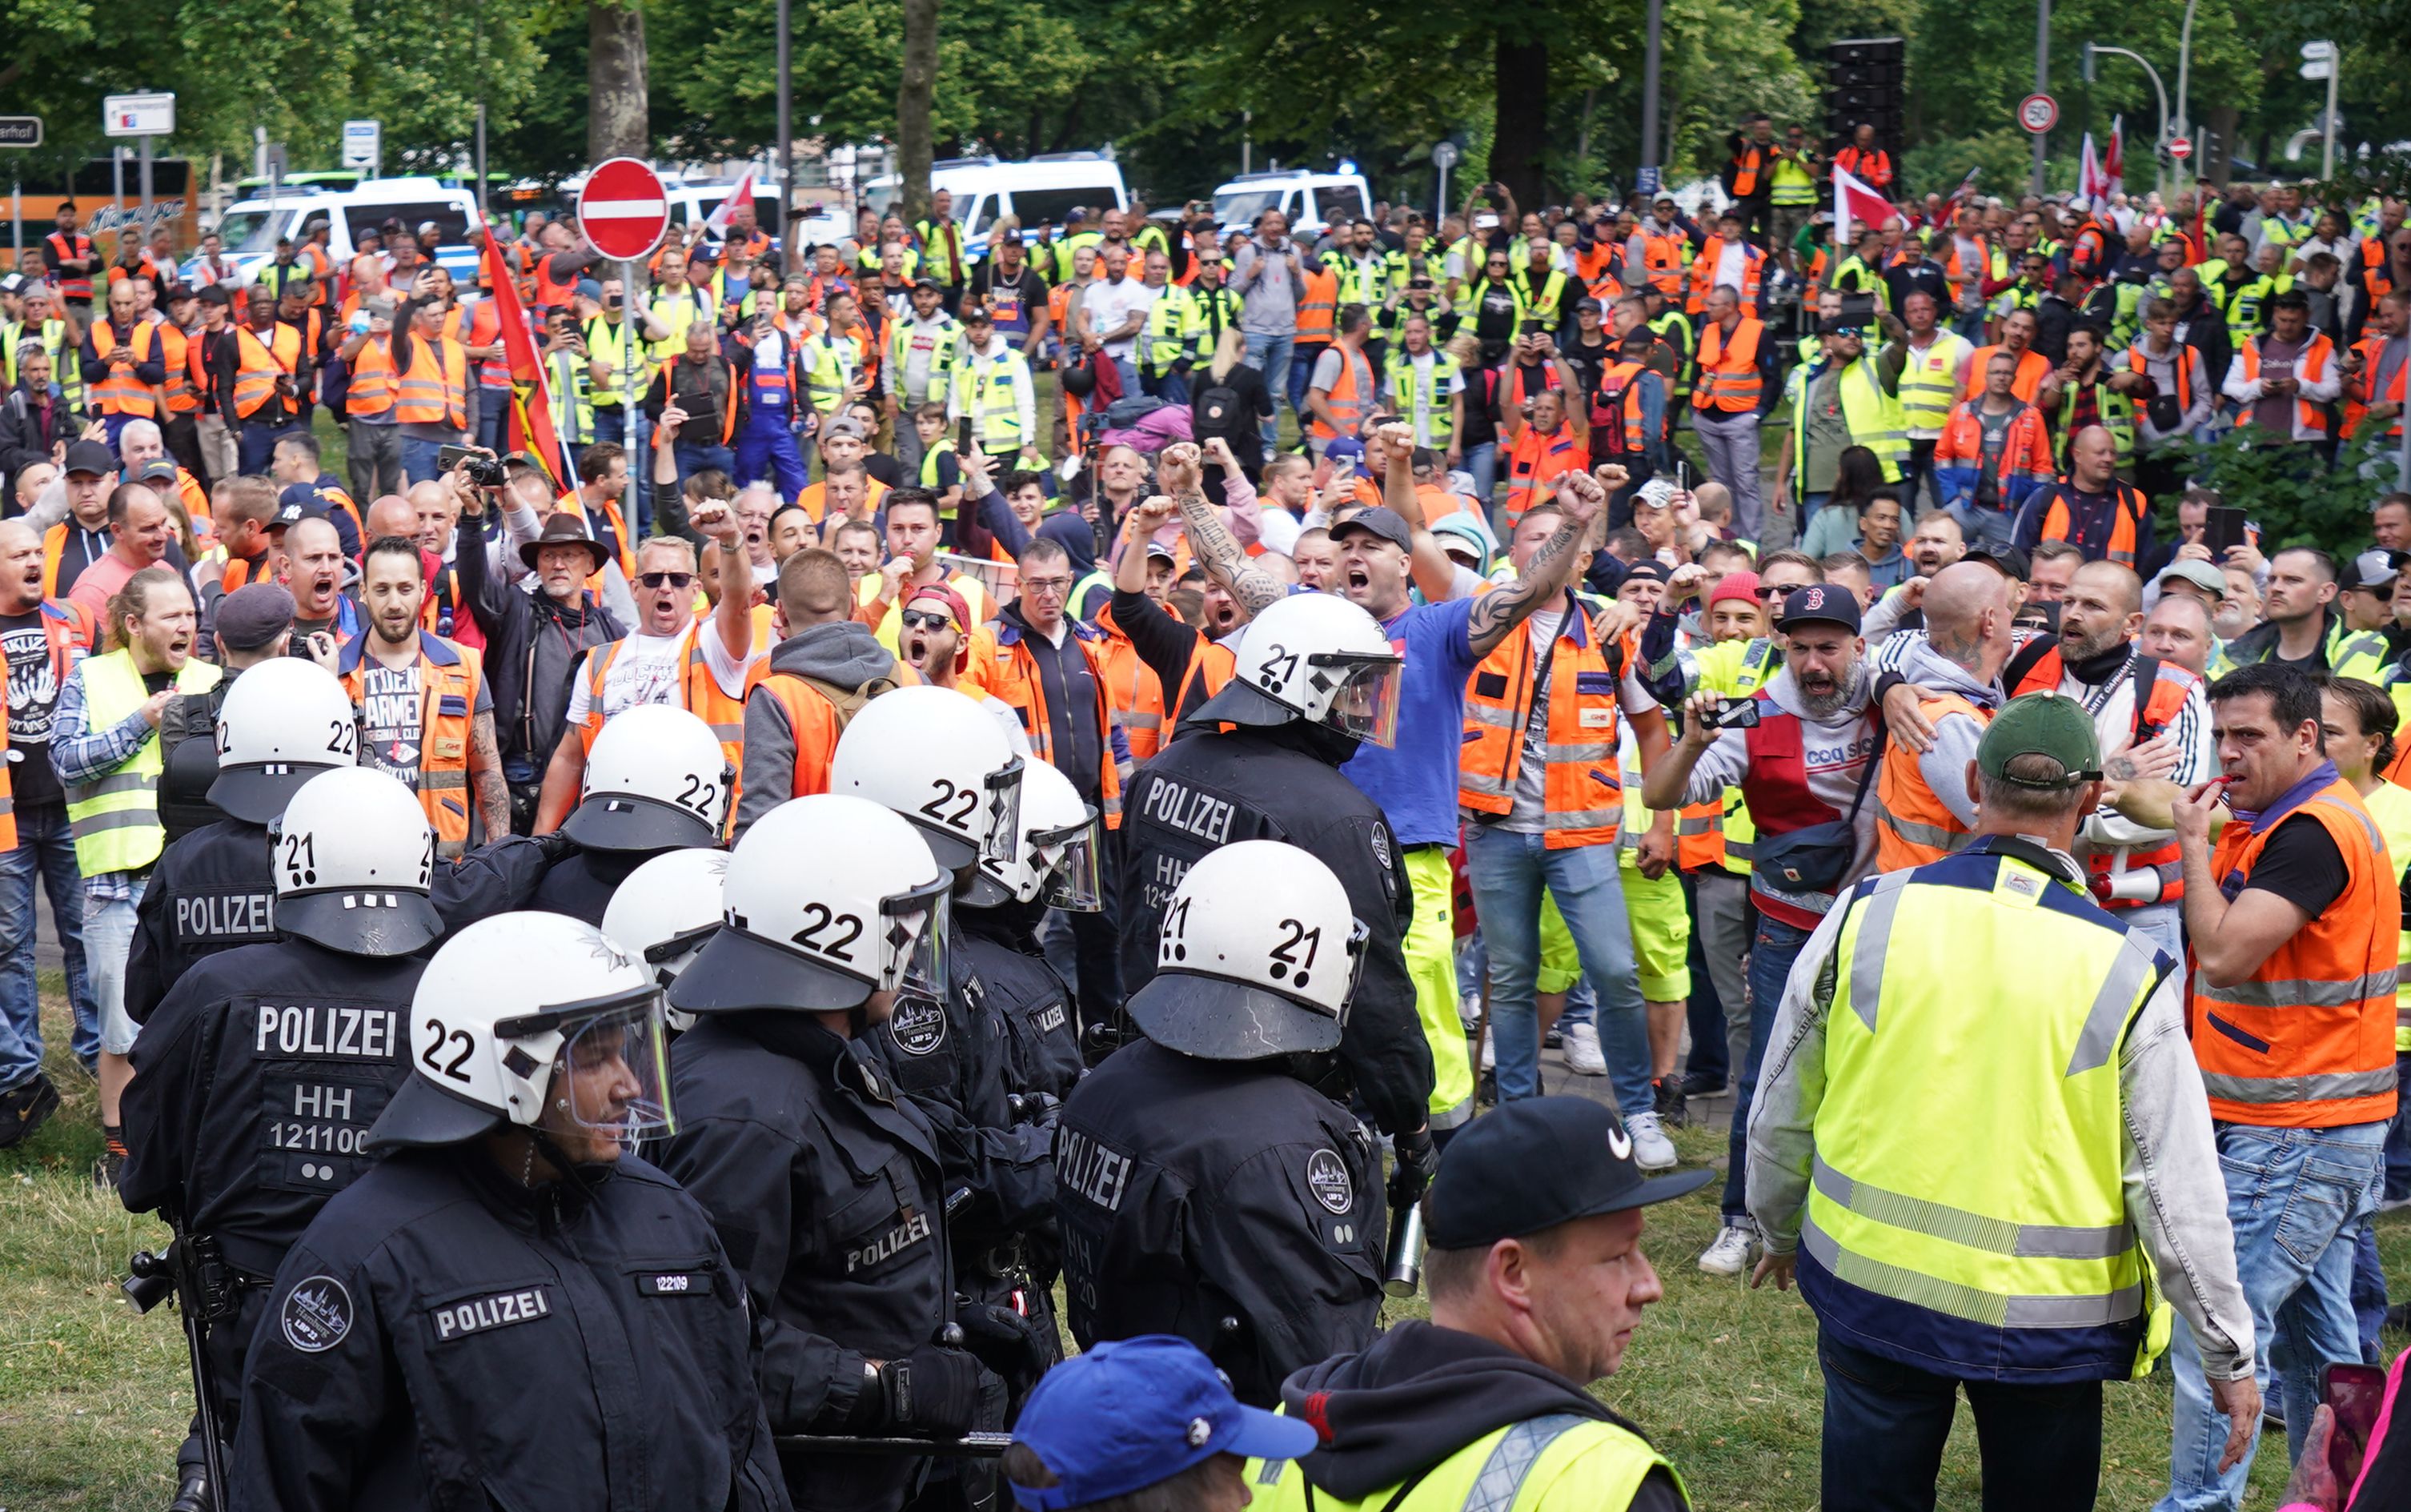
x=80, y=755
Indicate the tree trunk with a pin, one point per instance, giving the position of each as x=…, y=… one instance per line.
x=1520, y=84
x=915, y=91
x=616, y=124
x=2219, y=167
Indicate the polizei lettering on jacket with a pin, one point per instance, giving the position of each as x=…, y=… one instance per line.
x=1084, y=1166
x=886, y=1247
x=226, y=916
x=458, y=1320
x=336, y=1033
x=1190, y=812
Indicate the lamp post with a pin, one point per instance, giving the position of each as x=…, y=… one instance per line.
x=2042, y=83
x=2184, y=72
x=2095, y=49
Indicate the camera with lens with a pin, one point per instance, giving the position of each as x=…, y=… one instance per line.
x=483, y=471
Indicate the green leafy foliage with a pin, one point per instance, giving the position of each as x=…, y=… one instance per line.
x=2294, y=504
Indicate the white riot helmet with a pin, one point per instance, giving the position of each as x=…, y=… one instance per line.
x=283, y=722
x=1258, y=957
x=656, y=780
x=353, y=857
x=1316, y=658
x=524, y=1012
x=938, y=759
x=1058, y=865
x=664, y=911
x=827, y=900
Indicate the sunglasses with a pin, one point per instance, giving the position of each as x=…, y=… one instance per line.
x=666, y=579
x=1771, y=594
x=923, y=619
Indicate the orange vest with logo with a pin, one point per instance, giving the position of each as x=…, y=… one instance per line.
x=1582, y=787
x=1729, y=376
x=1663, y=256
x=1534, y=459
x=1914, y=827
x=448, y=674
x=2308, y=1042
x=121, y=392
x=1002, y=667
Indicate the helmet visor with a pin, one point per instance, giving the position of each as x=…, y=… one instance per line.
x=1365, y=694
x=912, y=937
x=611, y=1076
x=1002, y=845
x=1069, y=868
x=668, y=957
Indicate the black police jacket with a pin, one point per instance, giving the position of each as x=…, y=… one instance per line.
x=1224, y=1201
x=1204, y=792
x=1008, y=974
x=580, y=884
x=824, y=1187
x=444, y=1337
x=212, y=891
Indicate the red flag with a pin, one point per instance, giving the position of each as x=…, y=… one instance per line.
x=1854, y=202
x=531, y=429
x=1959, y=195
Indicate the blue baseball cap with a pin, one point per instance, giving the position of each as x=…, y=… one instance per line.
x=1133, y=1412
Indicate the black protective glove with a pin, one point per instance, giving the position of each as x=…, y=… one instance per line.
x=934, y=1393
x=1416, y=1159
x=1006, y=1342
x=556, y=847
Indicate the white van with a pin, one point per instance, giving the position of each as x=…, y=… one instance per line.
x=250, y=226
x=1312, y=201
x=1040, y=192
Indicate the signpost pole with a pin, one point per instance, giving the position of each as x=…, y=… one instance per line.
x=2042, y=85
x=146, y=189
x=638, y=457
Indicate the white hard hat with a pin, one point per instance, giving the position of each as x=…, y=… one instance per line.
x=657, y=780
x=664, y=910
x=1314, y=657
x=283, y=723
x=938, y=759
x=507, y=1003
x=1258, y=957
x=353, y=857
x=1058, y=864
x=828, y=899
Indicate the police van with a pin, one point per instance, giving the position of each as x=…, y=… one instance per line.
x=1038, y=192
x=1312, y=201
x=250, y=228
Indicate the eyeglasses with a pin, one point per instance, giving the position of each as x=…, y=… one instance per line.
x=1046, y=585
x=923, y=619
x=666, y=579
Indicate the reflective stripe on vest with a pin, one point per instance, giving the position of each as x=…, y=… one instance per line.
x=258, y=364
x=434, y=390
x=1347, y=397
x=1929, y=383
x=120, y=392
x=1913, y=825
x=1732, y=384
x=1582, y=789
x=115, y=820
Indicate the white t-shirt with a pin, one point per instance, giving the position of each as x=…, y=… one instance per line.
x=648, y=667
x=1110, y=306
x=1529, y=813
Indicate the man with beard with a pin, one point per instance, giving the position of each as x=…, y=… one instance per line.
x=1808, y=760
x=915, y=533
x=2135, y=699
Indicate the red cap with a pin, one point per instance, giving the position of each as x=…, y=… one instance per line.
x=945, y=594
x=1742, y=586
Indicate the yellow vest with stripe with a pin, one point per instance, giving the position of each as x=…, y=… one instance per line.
x=2391, y=806
x=1736, y=669
x=2356, y=653
x=1402, y=376
x=1929, y=381
x=609, y=341
x=1873, y=416
x=1558, y=1463
x=115, y=821
x=1165, y=340
x=2021, y=1268
x=67, y=368
x=989, y=390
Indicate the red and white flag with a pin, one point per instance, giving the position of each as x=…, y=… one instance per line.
x=743, y=195
x=2099, y=177
x=1960, y=196
x=1854, y=201
x=2113, y=167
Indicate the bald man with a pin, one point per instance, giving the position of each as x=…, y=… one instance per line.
x=2091, y=509
x=1934, y=719
x=2178, y=632
x=392, y=514
x=315, y=572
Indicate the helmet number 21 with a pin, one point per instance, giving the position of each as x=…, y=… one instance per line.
x=1285, y=955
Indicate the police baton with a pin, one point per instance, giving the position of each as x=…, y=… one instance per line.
x=197, y=1278
x=973, y=1446
x=1404, y=1274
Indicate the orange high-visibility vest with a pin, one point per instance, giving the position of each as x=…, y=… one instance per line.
x=1315, y=311
x=259, y=365
x=2124, y=528
x=1132, y=691
x=1582, y=789
x=2308, y=1042
x=121, y=392
x=1662, y=256
x=373, y=383
x=2159, y=708
x=64, y=247
x=1619, y=393
x=1346, y=398
x=1534, y=459
x=1913, y=827
x=173, y=348
x=2033, y=368
x=699, y=694
x=2360, y=393
x=435, y=388
x=1703, y=277
x=811, y=719
x=448, y=674
x=2310, y=419
x=1730, y=381
x=1002, y=667
x=1749, y=164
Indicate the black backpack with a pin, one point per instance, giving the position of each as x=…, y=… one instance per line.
x=1216, y=413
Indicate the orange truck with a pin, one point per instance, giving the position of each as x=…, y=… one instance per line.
x=104, y=215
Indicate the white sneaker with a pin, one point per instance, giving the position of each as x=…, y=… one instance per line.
x=1651, y=1149
x=1468, y=1011
x=1489, y=1056
x=1582, y=1050
x=1730, y=1254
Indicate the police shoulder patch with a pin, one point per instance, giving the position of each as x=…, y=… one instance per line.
x=1381, y=843
x=318, y=1313
x=919, y=1025
x=1327, y=1176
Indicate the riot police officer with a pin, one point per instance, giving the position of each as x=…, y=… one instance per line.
x=283, y=724
x=1056, y=866
x=656, y=780
x=258, y=1076
x=825, y=1183
x=508, y=1309
x=253, y=627
x=665, y=911
x=1314, y=676
x=1204, y=1187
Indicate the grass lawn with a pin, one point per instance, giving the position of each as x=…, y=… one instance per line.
x=94, y=1399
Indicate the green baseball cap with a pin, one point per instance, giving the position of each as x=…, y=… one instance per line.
x=2041, y=724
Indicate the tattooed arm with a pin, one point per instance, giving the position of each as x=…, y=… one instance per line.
x=486, y=776
x=1498, y=612
x=1180, y=472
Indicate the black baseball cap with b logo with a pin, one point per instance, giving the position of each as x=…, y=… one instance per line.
x=1826, y=602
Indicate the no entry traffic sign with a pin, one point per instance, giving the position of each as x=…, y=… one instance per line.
x=2181, y=148
x=2038, y=113
x=623, y=208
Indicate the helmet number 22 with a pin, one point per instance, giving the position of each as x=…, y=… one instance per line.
x=964, y=800
x=437, y=1038
x=809, y=935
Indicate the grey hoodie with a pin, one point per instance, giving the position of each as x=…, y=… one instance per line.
x=1944, y=766
x=843, y=654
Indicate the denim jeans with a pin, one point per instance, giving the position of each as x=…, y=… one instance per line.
x=255, y=444
x=1269, y=355
x=2398, y=1137
x=44, y=848
x=612, y=423
x=109, y=935
x=1772, y=950
x=1994, y=528
x=1170, y=387
x=2297, y=1199
x=1886, y=1424
x=1508, y=872
x=418, y=460
x=1482, y=465
x=493, y=418
x=1301, y=378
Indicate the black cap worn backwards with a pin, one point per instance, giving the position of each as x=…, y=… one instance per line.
x=1534, y=1164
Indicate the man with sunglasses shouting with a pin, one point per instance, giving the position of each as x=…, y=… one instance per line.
x=673, y=656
